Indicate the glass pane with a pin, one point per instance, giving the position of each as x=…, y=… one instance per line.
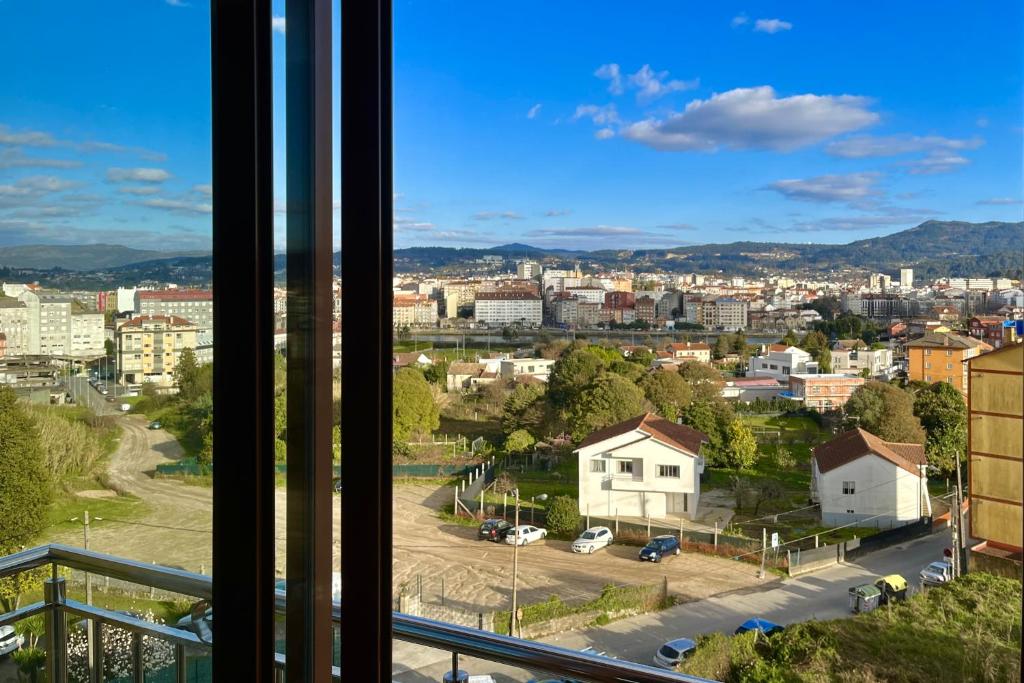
x=106, y=308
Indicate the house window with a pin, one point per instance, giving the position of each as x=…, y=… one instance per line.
x=849, y=487
x=597, y=466
x=668, y=471
x=949, y=353
x=949, y=380
x=785, y=371
x=949, y=366
x=927, y=352
x=928, y=366
x=625, y=467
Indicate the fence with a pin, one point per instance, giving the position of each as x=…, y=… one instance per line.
x=189, y=466
x=804, y=561
x=413, y=604
x=469, y=491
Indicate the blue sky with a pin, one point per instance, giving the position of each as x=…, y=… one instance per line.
x=570, y=124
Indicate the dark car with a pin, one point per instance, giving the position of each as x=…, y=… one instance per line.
x=658, y=547
x=494, y=530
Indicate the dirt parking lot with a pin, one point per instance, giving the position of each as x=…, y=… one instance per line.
x=478, y=574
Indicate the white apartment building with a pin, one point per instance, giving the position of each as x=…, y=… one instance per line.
x=539, y=368
x=852, y=356
x=194, y=305
x=527, y=270
x=592, y=295
x=732, y=314
x=14, y=324
x=464, y=292
x=780, y=362
x=907, y=278
x=565, y=311
x=57, y=326
x=508, y=307
x=414, y=310
x=125, y=299
x=86, y=334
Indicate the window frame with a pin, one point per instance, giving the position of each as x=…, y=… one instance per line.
x=660, y=468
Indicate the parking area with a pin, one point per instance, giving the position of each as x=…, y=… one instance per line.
x=477, y=575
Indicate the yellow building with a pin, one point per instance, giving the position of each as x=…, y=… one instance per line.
x=149, y=346
x=940, y=356
x=995, y=438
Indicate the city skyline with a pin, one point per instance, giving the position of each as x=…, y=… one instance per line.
x=708, y=125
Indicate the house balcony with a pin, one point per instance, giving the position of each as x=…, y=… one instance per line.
x=148, y=651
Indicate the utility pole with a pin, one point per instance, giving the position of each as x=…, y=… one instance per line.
x=85, y=543
x=513, y=621
x=958, y=533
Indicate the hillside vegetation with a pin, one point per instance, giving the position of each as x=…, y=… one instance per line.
x=969, y=631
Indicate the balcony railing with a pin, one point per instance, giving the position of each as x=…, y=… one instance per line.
x=458, y=640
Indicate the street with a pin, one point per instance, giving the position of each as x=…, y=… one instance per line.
x=821, y=595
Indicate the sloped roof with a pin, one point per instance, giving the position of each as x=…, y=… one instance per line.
x=680, y=436
x=689, y=346
x=851, y=344
x=466, y=368
x=857, y=443
x=947, y=340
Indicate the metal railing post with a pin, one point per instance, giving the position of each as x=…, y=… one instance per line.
x=180, y=663
x=54, y=595
x=138, y=666
x=96, y=651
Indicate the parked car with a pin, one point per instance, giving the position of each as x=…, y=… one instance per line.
x=494, y=530
x=673, y=652
x=10, y=640
x=592, y=539
x=524, y=534
x=155, y=424
x=658, y=547
x=764, y=626
x=937, y=574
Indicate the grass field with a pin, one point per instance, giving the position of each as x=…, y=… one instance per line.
x=967, y=631
x=68, y=504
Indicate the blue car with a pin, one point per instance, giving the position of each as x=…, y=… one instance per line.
x=658, y=547
x=757, y=624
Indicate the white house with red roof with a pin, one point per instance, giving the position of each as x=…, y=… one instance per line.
x=645, y=465
x=858, y=478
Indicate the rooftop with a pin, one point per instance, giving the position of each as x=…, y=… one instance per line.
x=947, y=340
x=857, y=443
x=679, y=436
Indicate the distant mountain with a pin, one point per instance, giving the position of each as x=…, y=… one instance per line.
x=934, y=249
x=81, y=257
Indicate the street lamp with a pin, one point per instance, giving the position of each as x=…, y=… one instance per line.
x=513, y=624
x=542, y=497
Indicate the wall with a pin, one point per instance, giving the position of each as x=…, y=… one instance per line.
x=883, y=491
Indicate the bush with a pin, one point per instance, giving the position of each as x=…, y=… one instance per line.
x=563, y=516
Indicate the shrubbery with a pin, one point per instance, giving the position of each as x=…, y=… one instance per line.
x=563, y=517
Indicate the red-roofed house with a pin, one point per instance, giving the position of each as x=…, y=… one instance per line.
x=860, y=479
x=645, y=465
x=698, y=351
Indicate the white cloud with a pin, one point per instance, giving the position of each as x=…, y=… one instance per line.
x=206, y=189
x=98, y=146
x=139, y=175
x=613, y=74
x=1000, y=201
x=753, y=118
x=677, y=226
x=937, y=162
x=599, y=114
x=851, y=188
x=651, y=85
x=595, y=231
x=771, y=25
x=178, y=205
x=493, y=215
x=551, y=213
x=982, y=122
x=30, y=138
x=277, y=25
x=534, y=110
x=865, y=146
x=177, y=3
x=15, y=158
x=739, y=20
x=140, y=191
x=604, y=133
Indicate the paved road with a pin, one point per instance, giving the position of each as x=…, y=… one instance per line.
x=821, y=595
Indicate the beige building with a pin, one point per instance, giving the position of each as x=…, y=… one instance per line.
x=58, y=325
x=414, y=310
x=149, y=347
x=15, y=326
x=194, y=305
x=995, y=437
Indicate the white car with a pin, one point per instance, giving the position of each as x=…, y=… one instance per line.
x=937, y=574
x=10, y=640
x=525, y=534
x=592, y=539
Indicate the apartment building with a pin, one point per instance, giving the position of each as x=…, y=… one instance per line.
x=941, y=356
x=645, y=309
x=822, y=392
x=988, y=328
x=995, y=437
x=593, y=295
x=194, y=305
x=508, y=307
x=731, y=314
x=565, y=311
x=853, y=357
x=58, y=325
x=588, y=314
x=14, y=325
x=463, y=292
x=149, y=347
x=539, y=368
x=527, y=270
x=413, y=310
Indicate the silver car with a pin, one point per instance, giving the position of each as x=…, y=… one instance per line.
x=10, y=640
x=592, y=539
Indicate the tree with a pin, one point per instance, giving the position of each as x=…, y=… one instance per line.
x=414, y=409
x=509, y=333
x=669, y=393
x=563, y=516
x=712, y=417
x=25, y=491
x=813, y=341
x=767, y=490
x=404, y=333
x=790, y=338
x=740, y=446
x=437, y=373
x=943, y=414
x=705, y=382
x=514, y=411
x=108, y=347
x=572, y=372
x=886, y=411
x=824, y=358
x=630, y=371
x=739, y=343
x=722, y=346
x=519, y=441
x=783, y=458
x=609, y=399
x=186, y=375
x=641, y=357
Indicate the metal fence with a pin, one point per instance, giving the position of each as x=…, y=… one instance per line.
x=803, y=561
